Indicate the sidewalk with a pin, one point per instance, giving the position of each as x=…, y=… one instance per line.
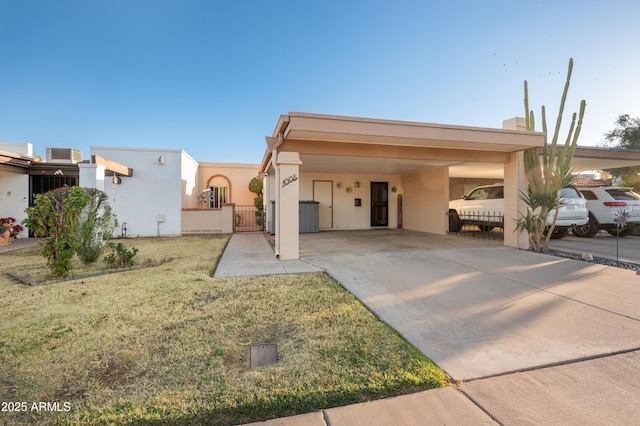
x=249, y=254
x=18, y=244
x=433, y=407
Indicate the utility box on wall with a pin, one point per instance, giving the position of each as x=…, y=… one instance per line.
x=308, y=214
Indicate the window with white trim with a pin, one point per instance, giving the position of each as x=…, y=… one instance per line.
x=219, y=195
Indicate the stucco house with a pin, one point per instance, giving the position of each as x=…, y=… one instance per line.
x=154, y=192
x=366, y=173
x=360, y=173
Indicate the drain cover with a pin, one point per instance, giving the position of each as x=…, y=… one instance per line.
x=262, y=355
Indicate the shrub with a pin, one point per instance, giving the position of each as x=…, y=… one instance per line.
x=120, y=257
x=95, y=226
x=256, y=186
x=54, y=216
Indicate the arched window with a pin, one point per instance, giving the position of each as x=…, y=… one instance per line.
x=219, y=190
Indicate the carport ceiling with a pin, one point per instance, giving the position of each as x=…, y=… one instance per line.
x=395, y=166
x=585, y=160
x=365, y=165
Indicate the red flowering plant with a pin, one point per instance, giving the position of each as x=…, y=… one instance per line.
x=15, y=227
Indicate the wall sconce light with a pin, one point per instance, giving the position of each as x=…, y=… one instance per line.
x=161, y=160
x=357, y=184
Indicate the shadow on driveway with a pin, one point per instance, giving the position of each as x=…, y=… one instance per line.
x=478, y=309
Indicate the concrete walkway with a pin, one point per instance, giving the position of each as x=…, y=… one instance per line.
x=529, y=338
x=249, y=254
x=18, y=244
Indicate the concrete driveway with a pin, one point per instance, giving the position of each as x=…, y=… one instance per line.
x=478, y=310
x=530, y=338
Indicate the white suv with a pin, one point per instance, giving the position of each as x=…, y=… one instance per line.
x=484, y=207
x=605, y=204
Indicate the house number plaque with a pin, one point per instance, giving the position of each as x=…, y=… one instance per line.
x=290, y=179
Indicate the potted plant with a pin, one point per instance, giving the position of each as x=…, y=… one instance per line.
x=15, y=228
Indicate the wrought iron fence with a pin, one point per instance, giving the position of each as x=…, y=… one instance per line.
x=248, y=219
x=478, y=224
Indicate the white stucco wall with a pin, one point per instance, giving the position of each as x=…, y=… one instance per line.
x=154, y=191
x=20, y=148
x=14, y=197
x=190, y=177
x=345, y=214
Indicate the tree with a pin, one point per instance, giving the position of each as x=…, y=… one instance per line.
x=95, y=226
x=256, y=186
x=547, y=173
x=54, y=216
x=625, y=135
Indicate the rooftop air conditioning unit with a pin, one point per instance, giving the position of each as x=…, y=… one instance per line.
x=63, y=155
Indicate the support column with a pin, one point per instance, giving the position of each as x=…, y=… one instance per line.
x=91, y=175
x=228, y=218
x=287, y=186
x=515, y=181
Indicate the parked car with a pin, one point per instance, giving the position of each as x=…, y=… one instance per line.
x=604, y=204
x=484, y=207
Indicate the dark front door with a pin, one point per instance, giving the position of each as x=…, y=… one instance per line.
x=379, y=204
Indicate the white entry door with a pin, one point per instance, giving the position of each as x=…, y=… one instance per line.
x=323, y=194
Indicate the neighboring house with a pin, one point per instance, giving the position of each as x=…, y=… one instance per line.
x=154, y=192
x=149, y=202
x=15, y=160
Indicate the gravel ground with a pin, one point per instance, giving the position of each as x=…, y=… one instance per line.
x=601, y=260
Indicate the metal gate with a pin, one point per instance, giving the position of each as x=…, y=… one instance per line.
x=248, y=219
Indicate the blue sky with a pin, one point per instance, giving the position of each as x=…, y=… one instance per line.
x=212, y=77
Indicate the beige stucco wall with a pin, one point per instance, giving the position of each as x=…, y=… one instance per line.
x=345, y=214
x=239, y=176
x=426, y=200
x=515, y=182
x=202, y=221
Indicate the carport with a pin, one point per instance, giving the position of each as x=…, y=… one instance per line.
x=370, y=173
x=367, y=173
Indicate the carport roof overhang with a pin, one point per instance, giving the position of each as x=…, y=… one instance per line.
x=14, y=163
x=331, y=143
x=592, y=158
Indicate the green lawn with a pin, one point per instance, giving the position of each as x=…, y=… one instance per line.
x=167, y=344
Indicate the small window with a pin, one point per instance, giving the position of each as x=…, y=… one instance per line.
x=219, y=196
x=497, y=193
x=478, y=194
x=589, y=195
x=623, y=194
x=569, y=193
